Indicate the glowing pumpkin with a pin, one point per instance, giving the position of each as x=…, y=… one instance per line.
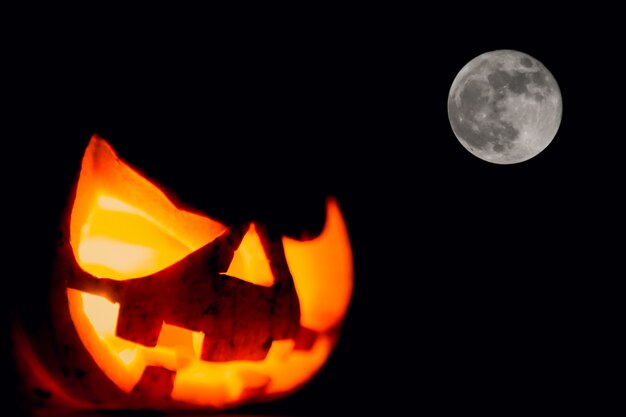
x=156, y=307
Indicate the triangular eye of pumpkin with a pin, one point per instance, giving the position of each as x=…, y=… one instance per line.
x=117, y=211
x=250, y=262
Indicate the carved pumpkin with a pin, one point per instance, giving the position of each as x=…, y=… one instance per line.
x=157, y=307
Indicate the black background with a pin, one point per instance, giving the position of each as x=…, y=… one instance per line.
x=478, y=287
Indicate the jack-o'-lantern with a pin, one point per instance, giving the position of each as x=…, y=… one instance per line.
x=159, y=307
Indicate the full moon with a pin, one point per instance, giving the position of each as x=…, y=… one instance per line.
x=504, y=106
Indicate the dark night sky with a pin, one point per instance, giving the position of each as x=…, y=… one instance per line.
x=477, y=286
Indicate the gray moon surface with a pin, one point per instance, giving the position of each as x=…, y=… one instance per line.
x=505, y=106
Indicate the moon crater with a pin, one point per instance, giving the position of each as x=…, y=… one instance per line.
x=504, y=106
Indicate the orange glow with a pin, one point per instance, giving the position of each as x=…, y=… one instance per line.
x=249, y=262
x=322, y=272
x=123, y=227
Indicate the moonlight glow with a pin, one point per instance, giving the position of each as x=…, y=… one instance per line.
x=504, y=106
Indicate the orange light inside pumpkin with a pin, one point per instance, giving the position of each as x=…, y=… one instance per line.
x=124, y=227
